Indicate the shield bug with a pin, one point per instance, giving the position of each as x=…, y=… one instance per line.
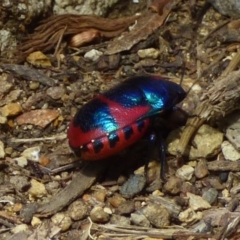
x=118, y=118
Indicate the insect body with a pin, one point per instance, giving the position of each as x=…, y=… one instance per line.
x=113, y=121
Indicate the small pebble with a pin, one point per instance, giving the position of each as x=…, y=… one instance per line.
x=37, y=189
x=229, y=151
x=93, y=55
x=56, y=92
x=173, y=185
x=157, y=215
x=189, y=215
x=62, y=221
x=140, y=220
x=11, y=109
x=126, y=207
x=210, y=195
x=21, y=161
x=201, y=169
x=120, y=220
x=100, y=195
x=133, y=186
x=185, y=172
x=148, y=53
x=32, y=153
x=2, y=151
x=20, y=228
x=34, y=85
x=35, y=222
x=197, y=202
x=116, y=200
x=98, y=215
x=28, y=211
x=78, y=210
x=21, y=183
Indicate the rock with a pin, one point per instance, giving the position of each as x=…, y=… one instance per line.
x=202, y=227
x=126, y=207
x=52, y=187
x=32, y=153
x=27, y=212
x=120, y=220
x=34, y=85
x=2, y=152
x=188, y=187
x=217, y=217
x=20, y=228
x=12, y=97
x=133, y=186
x=98, y=215
x=116, y=200
x=39, y=59
x=201, y=169
x=189, y=215
x=100, y=195
x=78, y=210
x=185, y=172
x=231, y=126
x=157, y=215
x=229, y=152
x=21, y=183
x=95, y=7
x=210, y=195
x=56, y=92
x=11, y=109
x=215, y=182
x=140, y=220
x=173, y=185
x=107, y=210
x=3, y=119
x=230, y=8
x=36, y=222
x=197, y=202
x=148, y=53
x=37, y=189
x=93, y=55
x=207, y=142
x=21, y=161
x=62, y=221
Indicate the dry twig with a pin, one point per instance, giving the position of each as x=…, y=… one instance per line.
x=221, y=98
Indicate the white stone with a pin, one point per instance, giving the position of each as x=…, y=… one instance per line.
x=185, y=172
x=229, y=151
x=93, y=55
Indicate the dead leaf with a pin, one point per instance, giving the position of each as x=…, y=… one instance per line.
x=41, y=117
x=144, y=27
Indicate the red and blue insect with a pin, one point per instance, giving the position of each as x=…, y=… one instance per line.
x=118, y=118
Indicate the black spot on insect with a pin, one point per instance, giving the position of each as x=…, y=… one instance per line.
x=113, y=139
x=97, y=145
x=140, y=125
x=84, y=148
x=128, y=132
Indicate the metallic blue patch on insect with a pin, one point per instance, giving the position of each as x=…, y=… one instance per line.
x=160, y=94
x=95, y=115
x=127, y=95
x=140, y=91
